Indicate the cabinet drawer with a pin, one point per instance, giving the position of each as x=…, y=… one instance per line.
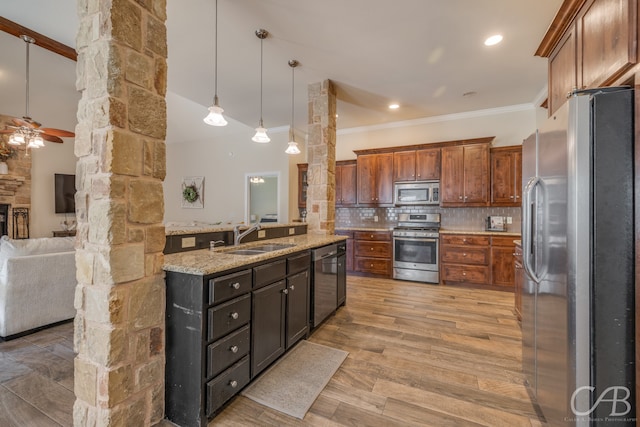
x=503, y=241
x=226, y=317
x=228, y=350
x=373, y=265
x=227, y=385
x=372, y=235
x=373, y=249
x=465, y=273
x=465, y=255
x=269, y=273
x=298, y=263
x=230, y=286
x=464, y=239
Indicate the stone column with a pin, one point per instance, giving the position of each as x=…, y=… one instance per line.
x=321, y=156
x=120, y=297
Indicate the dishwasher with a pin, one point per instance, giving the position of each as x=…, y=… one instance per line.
x=326, y=278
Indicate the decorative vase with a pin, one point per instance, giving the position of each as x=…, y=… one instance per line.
x=4, y=169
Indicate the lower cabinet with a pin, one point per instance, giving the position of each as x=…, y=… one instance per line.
x=372, y=253
x=518, y=280
x=222, y=330
x=349, y=255
x=477, y=259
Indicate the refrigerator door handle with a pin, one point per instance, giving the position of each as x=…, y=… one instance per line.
x=528, y=226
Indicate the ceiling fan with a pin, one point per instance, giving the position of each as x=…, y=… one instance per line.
x=25, y=130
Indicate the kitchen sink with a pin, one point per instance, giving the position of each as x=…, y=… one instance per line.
x=256, y=250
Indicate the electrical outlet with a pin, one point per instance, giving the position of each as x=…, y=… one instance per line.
x=509, y=220
x=188, y=242
x=292, y=231
x=375, y=218
x=262, y=234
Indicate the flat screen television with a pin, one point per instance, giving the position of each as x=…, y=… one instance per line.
x=65, y=192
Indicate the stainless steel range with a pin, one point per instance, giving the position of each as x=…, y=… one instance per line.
x=415, y=248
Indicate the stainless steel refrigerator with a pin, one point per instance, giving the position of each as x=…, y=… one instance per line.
x=578, y=253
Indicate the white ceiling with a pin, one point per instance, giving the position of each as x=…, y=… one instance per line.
x=422, y=54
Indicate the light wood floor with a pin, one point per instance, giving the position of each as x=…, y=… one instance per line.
x=419, y=355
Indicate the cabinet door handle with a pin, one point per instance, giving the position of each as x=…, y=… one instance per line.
x=285, y=291
x=464, y=273
x=517, y=197
x=459, y=197
x=371, y=248
x=234, y=315
x=464, y=254
x=292, y=287
x=465, y=197
x=235, y=285
x=233, y=349
x=233, y=383
x=511, y=197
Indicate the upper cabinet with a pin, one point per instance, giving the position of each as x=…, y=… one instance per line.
x=506, y=176
x=346, y=179
x=416, y=165
x=589, y=44
x=464, y=179
x=375, y=179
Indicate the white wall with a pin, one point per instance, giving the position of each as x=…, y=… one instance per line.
x=223, y=156
x=509, y=125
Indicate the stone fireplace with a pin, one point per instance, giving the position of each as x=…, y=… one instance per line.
x=15, y=188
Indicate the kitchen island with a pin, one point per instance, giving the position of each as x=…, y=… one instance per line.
x=230, y=313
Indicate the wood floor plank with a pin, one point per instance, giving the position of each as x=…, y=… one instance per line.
x=16, y=412
x=11, y=368
x=409, y=413
x=46, y=395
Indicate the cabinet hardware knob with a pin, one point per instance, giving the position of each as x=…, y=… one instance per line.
x=371, y=265
x=419, y=175
x=234, y=315
x=464, y=240
x=372, y=236
x=371, y=248
x=292, y=287
x=517, y=197
x=285, y=291
x=514, y=254
x=464, y=254
x=233, y=349
x=464, y=273
x=235, y=285
x=233, y=383
x=465, y=197
x=511, y=197
x=459, y=197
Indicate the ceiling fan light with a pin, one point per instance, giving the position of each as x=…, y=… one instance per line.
x=16, y=139
x=32, y=143
x=38, y=141
x=261, y=136
x=215, y=118
x=292, y=148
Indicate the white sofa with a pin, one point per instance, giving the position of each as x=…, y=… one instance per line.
x=37, y=283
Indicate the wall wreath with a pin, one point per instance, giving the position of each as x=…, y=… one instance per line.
x=193, y=192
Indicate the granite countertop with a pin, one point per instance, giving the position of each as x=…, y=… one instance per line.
x=202, y=227
x=204, y=261
x=480, y=232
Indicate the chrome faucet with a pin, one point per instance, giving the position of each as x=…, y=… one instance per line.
x=237, y=236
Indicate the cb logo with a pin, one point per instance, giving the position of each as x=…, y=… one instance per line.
x=620, y=405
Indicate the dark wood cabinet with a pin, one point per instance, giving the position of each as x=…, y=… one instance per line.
x=590, y=44
x=465, y=258
x=373, y=252
x=268, y=333
x=416, y=165
x=502, y=261
x=349, y=253
x=297, y=307
x=303, y=184
x=375, y=179
x=518, y=280
x=224, y=329
x=506, y=176
x=465, y=176
x=346, y=183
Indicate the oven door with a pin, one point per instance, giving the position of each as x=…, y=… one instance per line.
x=416, y=253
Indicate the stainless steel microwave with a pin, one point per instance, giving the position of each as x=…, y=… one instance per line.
x=416, y=193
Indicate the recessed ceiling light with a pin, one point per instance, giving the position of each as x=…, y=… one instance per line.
x=495, y=39
x=394, y=106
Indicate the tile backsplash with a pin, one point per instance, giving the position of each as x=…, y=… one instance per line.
x=452, y=218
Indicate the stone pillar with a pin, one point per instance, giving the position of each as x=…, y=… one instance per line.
x=120, y=297
x=321, y=156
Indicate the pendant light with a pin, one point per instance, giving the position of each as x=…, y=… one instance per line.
x=215, y=118
x=261, y=132
x=292, y=148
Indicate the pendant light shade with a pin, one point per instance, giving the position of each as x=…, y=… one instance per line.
x=215, y=118
x=292, y=148
x=261, y=132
